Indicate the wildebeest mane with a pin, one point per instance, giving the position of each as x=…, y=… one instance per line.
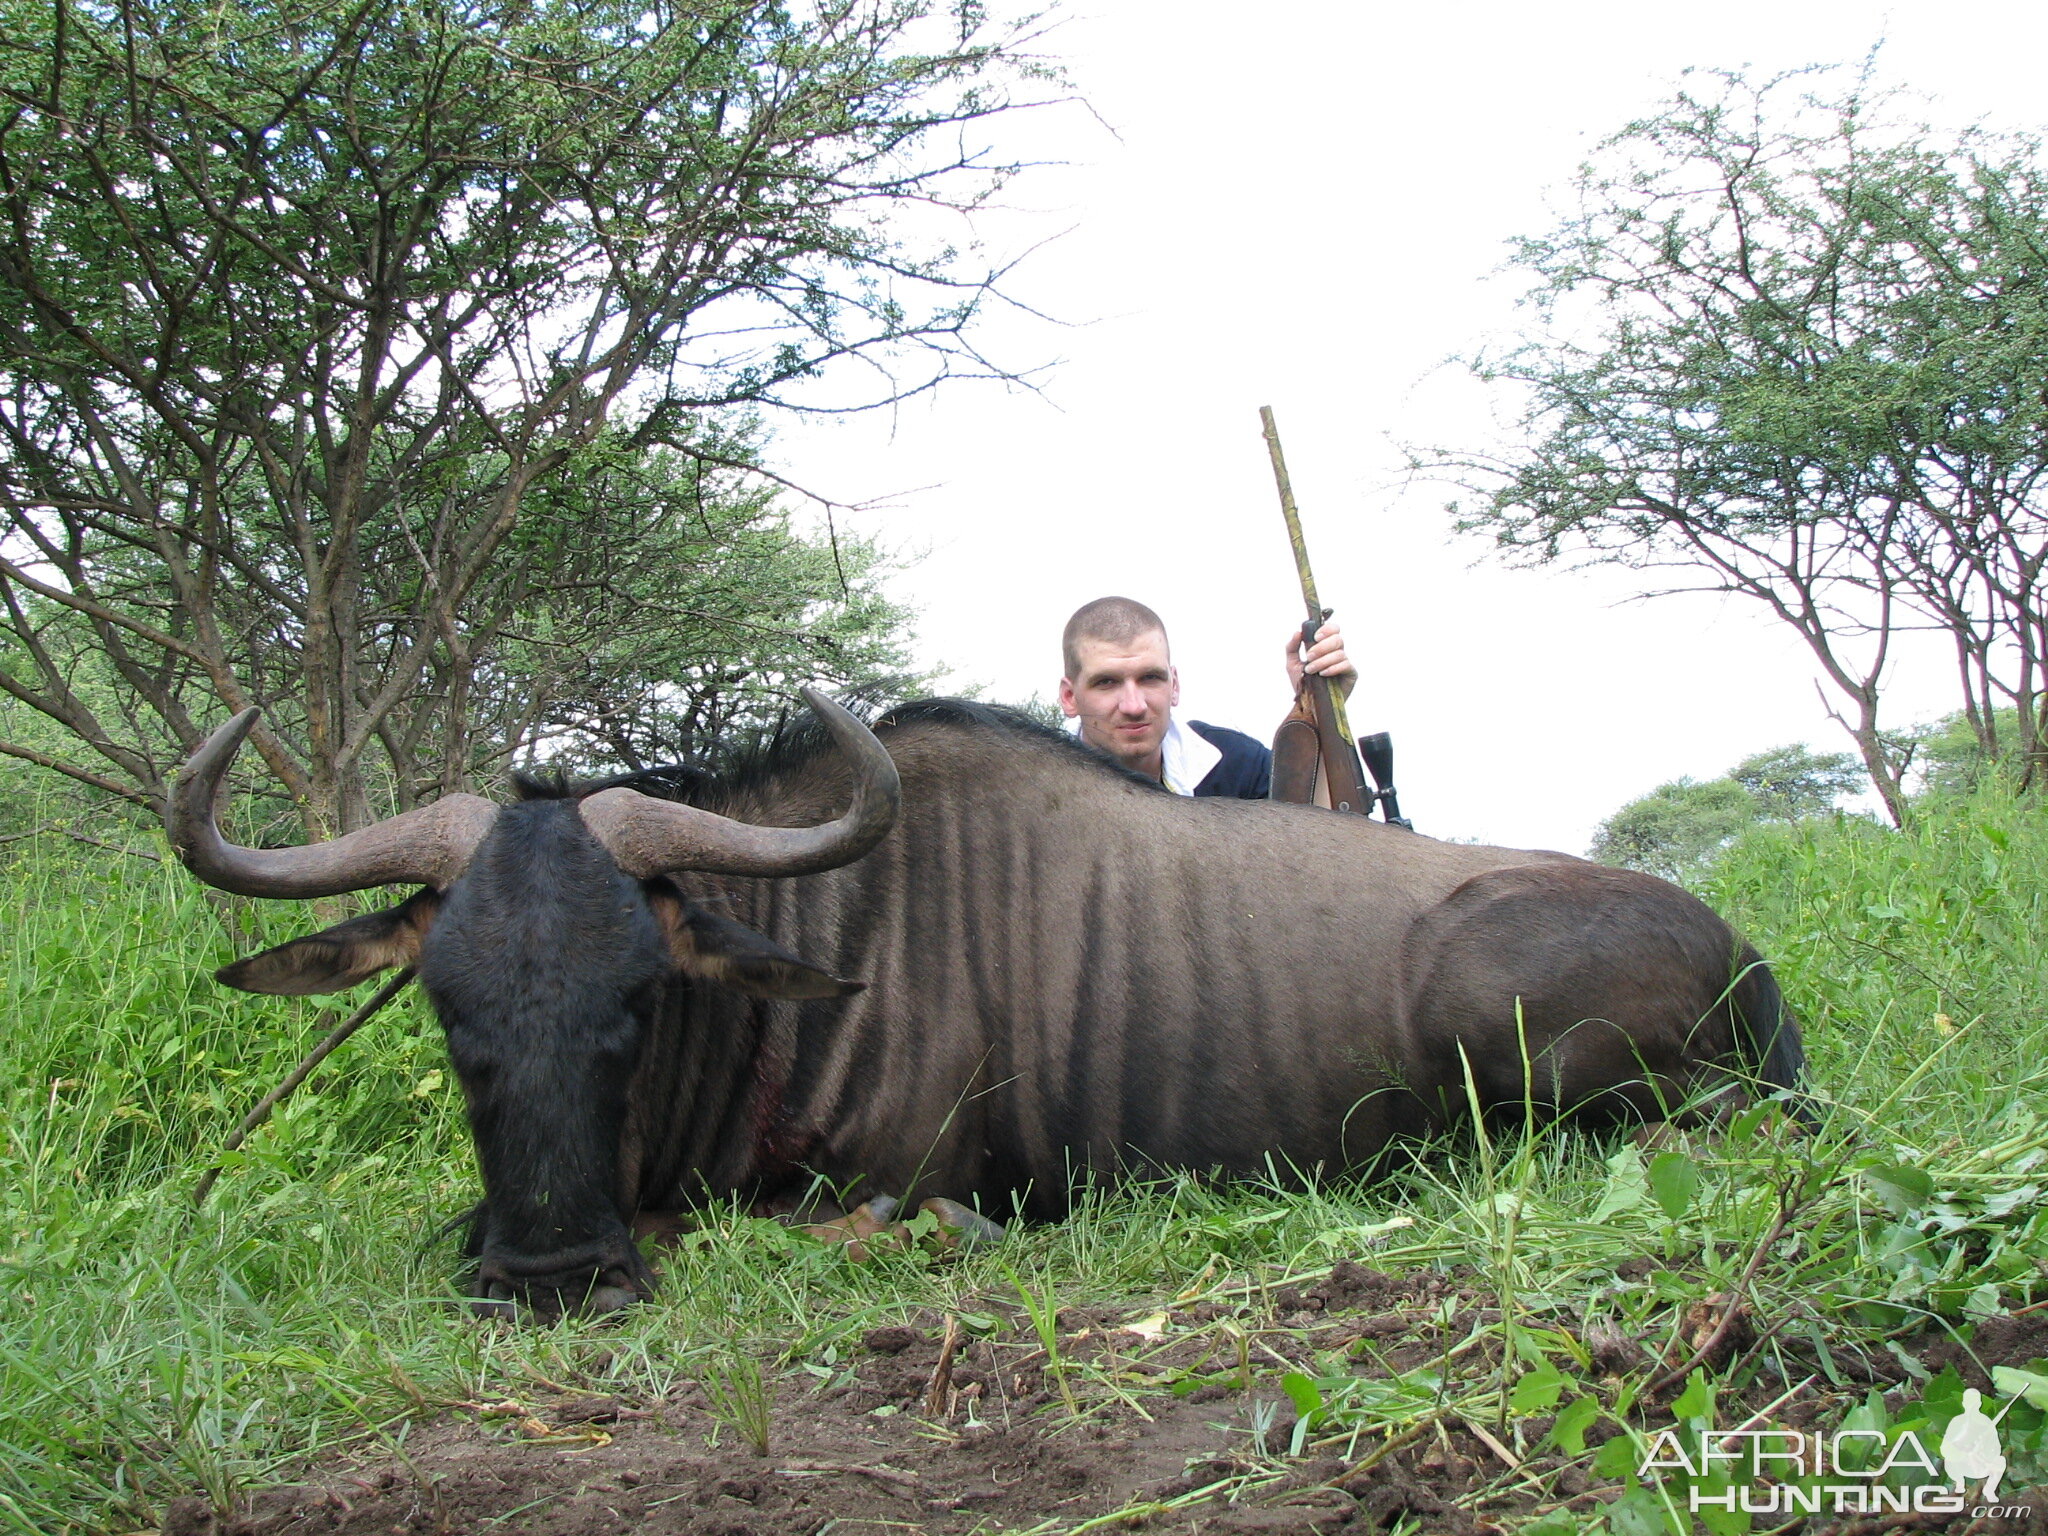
x=541, y=784
x=749, y=762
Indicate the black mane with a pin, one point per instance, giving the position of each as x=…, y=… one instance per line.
x=541, y=784
x=756, y=759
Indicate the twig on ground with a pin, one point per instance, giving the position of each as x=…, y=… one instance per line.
x=938, y=1392
x=1407, y=1437
x=298, y=1075
x=1513, y=1462
x=904, y=1485
x=1736, y=1300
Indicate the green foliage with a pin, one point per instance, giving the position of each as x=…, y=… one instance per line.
x=740, y=1398
x=1788, y=348
x=1941, y=921
x=1674, y=1180
x=1044, y=1314
x=128, y=1326
x=1790, y=783
x=377, y=363
x=680, y=605
x=1677, y=827
x=1954, y=760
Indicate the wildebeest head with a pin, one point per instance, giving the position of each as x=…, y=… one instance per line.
x=546, y=936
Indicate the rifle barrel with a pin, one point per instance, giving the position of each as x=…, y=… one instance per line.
x=1291, y=512
x=1316, y=612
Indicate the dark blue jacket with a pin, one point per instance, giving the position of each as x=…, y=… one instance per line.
x=1246, y=771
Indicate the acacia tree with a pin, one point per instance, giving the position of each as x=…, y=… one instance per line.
x=312, y=316
x=1792, y=351
x=1678, y=829
x=644, y=607
x=681, y=606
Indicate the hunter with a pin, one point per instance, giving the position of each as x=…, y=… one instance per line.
x=1120, y=688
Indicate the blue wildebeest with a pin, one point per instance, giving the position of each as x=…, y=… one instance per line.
x=1059, y=970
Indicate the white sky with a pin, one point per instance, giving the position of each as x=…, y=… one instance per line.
x=1301, y=204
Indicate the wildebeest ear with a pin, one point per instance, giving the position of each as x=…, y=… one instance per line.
x=717, y=949
x=340, y=956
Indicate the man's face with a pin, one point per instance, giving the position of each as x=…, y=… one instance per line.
x=1123, y=694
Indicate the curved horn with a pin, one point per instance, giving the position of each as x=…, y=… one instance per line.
x=647, y=836
x=429, y=846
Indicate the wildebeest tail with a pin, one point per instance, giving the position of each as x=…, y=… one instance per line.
x=1768, y=1032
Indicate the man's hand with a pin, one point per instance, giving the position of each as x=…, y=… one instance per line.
x=1326, y=658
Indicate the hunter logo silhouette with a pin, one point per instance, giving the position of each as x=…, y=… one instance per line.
x=1970, y=1448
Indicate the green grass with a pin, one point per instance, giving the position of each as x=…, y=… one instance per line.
x=148, y=1351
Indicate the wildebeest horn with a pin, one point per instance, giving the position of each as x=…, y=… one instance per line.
x=647, y=836
x=429, y=846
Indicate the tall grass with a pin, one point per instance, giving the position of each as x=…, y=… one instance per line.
x=146, y=1350
x=1924, y=951
x=142, y=1343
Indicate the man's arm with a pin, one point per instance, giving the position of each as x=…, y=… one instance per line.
x=1326, y=657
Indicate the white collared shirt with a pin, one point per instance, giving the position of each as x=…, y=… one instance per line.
x=1187, y=755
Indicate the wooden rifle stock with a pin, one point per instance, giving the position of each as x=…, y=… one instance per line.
x=1312, y=762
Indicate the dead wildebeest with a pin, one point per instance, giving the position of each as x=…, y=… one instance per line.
x=1061, y=971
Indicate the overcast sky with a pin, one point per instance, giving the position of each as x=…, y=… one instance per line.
x=1304, y=204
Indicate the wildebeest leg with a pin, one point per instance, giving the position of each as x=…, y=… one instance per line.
x=1584, y=990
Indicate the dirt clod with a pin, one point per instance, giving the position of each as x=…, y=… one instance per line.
x=890, y=1341
x=1613, y=1352
x=2014, y=1341
x=586, y=1410
x=1719, y=1325
x=1353, y=1285
x=1392, y=1499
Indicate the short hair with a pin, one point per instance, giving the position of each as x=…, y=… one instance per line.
x=1118, y=620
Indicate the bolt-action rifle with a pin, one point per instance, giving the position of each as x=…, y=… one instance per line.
x=1314, y=759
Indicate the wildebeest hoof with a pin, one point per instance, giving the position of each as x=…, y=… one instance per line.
x=964, y=1227
x=610, y=1298
x=869, y=1227
x=857, y=1231
x=495, y=1304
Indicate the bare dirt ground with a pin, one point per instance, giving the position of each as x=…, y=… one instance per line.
x=985, y=1443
